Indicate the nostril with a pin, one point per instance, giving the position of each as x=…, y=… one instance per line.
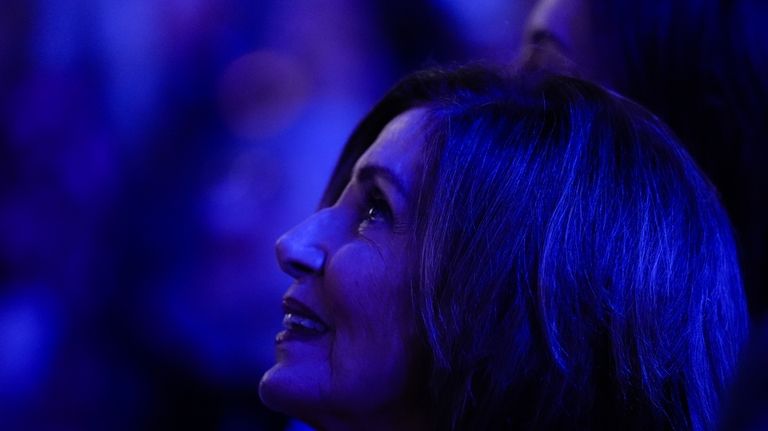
x=298, y=269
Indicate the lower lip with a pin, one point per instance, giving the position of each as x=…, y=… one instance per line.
x=288, y=335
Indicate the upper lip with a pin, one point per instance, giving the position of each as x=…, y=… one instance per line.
x=294, y=306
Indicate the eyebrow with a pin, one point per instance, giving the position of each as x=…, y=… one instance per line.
x=368, y=172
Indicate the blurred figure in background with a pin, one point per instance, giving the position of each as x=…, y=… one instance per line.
x=702, y=66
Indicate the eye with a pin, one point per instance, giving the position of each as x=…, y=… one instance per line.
x=376, y=207
x=374, y=213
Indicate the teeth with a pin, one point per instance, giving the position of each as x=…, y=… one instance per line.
x=300, y=323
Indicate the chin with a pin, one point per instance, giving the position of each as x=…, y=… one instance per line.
x=284, y=390
x=269, y=389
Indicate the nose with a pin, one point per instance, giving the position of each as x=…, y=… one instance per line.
x=298, y=253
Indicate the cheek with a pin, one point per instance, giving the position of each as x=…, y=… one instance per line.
x=368, y=292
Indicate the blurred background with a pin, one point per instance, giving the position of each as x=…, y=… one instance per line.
x=150, y=154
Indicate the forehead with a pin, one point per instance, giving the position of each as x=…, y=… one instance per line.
x=399, y=145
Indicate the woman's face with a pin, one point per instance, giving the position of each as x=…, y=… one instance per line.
x=349, y=345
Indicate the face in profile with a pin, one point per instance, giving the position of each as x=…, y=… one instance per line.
x=347, y=350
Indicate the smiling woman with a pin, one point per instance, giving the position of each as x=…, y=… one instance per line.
x=509, y=252
x=345, y=354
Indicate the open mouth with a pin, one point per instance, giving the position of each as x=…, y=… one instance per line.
x=303, y=324
x=300, y=322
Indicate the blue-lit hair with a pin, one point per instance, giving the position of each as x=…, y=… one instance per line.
x=576, y=269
